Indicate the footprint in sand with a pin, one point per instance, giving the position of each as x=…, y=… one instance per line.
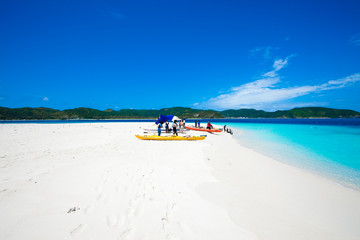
x=107, y=200
x=168, y=214
x=102, y=198
x=98, y=189
x=126, y=234
x=144, y=237
x=76, y=231
x=131, y=203
x=130, y=212
x=112, y=221
x=171, y=237
x=4, y=190
x=184, y=228
x=89, y=209
x=106, y=179
x=139, y=211
x=137, y=197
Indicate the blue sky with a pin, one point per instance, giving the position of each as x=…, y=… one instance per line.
x=218, y=55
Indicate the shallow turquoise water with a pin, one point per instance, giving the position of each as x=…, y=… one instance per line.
x=331, y=151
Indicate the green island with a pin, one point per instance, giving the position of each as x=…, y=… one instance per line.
x=42, y=113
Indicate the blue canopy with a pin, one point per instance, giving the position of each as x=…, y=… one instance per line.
x=164, y=118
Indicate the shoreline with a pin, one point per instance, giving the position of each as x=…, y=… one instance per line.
x=350, y=122
x=119, y=186
x=282, y=192
x=304, y=169
x=154, y=118
x=317, y=170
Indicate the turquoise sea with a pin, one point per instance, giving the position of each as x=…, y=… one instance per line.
x=332, y=151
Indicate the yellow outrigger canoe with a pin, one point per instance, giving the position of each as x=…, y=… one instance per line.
x=173, y=137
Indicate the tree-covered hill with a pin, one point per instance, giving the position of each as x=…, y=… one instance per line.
x=247, y=113
x=89, y=113
x=304, y=112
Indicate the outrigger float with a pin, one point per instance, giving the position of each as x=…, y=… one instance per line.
x=171, y=138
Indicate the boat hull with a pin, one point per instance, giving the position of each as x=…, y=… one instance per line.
x=203, y=129
x=170, y=138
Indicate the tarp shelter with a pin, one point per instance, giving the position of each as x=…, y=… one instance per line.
x=164, y=118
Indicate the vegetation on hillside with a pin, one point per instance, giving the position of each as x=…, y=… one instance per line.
x=304, y=112
x=89, y=113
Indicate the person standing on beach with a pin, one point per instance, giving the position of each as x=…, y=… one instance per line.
x=195, y=123
x=174, y=126
x=199, y=124
x=159, y=129
x=167, y=126
x=181, y=124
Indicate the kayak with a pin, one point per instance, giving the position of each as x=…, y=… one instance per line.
x=162, y=130
x=172, y=138
x=204, y=129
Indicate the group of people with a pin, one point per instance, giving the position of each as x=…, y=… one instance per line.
x=228, y=130
x=182, y=126
x=208, y=126
x=197, y=124
x=174, y=127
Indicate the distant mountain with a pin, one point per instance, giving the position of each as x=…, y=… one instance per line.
x=29, y=113
x=89, y=113
x=304, y=112
x=320, y=112
x=245, y=113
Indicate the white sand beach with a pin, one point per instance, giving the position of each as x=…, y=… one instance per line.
x=98, y=181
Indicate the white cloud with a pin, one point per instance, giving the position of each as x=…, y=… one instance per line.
x=117, y=15
x=278, y=65
x=263, y=94
x=114, y=13
x=341, y=82
x=264, y=52
x=284, y=106
x=45, y=99
x=355, y=40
